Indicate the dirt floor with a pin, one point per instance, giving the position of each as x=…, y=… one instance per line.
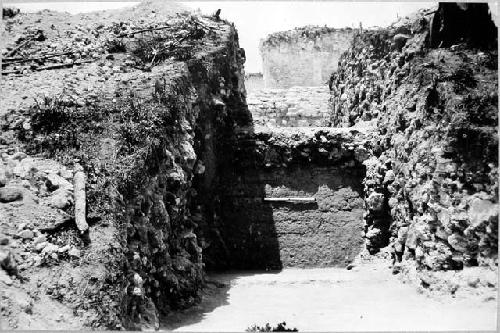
x=365, y=298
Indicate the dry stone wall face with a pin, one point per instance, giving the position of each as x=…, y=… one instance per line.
x=293, y=107
x=254, y=81
x=431, y=187
x=302, y=57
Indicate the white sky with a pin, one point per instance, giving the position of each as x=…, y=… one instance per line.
x=255, y=19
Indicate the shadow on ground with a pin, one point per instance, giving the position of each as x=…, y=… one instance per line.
x=215, y=294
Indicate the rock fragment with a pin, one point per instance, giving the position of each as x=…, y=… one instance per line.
x=10, y=194
x=26, y=234
x=74, y=252
x=5, y=278
x=7, y=261
x=61, y=198
x=54, y=182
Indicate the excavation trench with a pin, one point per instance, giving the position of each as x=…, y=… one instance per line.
x=290, y=201
x=291, y=218
x=189, y=175
x=292, y=193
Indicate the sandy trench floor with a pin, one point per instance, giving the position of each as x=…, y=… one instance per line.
x=368, y=298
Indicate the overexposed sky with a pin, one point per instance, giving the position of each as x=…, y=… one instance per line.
x=255, y=19
x=72, y=7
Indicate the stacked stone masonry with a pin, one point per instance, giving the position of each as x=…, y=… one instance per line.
x=431, y=187
x=292, y=107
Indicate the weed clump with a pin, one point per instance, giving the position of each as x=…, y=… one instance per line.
x=177, y=42
x=281, y=327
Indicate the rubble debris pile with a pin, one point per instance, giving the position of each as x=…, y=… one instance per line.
x=304, y=56
x=431, y=187
x=147, y=118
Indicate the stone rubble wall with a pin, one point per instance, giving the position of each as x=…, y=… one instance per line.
x=302, y=57
x=151, y=136
x=292, y=107
x=431, y=187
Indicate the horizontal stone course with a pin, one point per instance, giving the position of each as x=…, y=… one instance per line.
x=296, y=106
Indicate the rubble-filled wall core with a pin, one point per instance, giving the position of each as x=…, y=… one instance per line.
x=431, y=187
x=150, y=132
x=302, y=57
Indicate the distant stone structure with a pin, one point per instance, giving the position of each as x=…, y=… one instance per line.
x=304, y=56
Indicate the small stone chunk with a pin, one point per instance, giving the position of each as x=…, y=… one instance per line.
x=26, y=234
x=74, y=252
x=55, y=182
x=9, y=194
x=5, y=278
x=7, y=261
x=19, y=156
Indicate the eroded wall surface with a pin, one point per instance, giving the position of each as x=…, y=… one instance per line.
x=265, y=234
x=325, y=165
x=302, y=57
